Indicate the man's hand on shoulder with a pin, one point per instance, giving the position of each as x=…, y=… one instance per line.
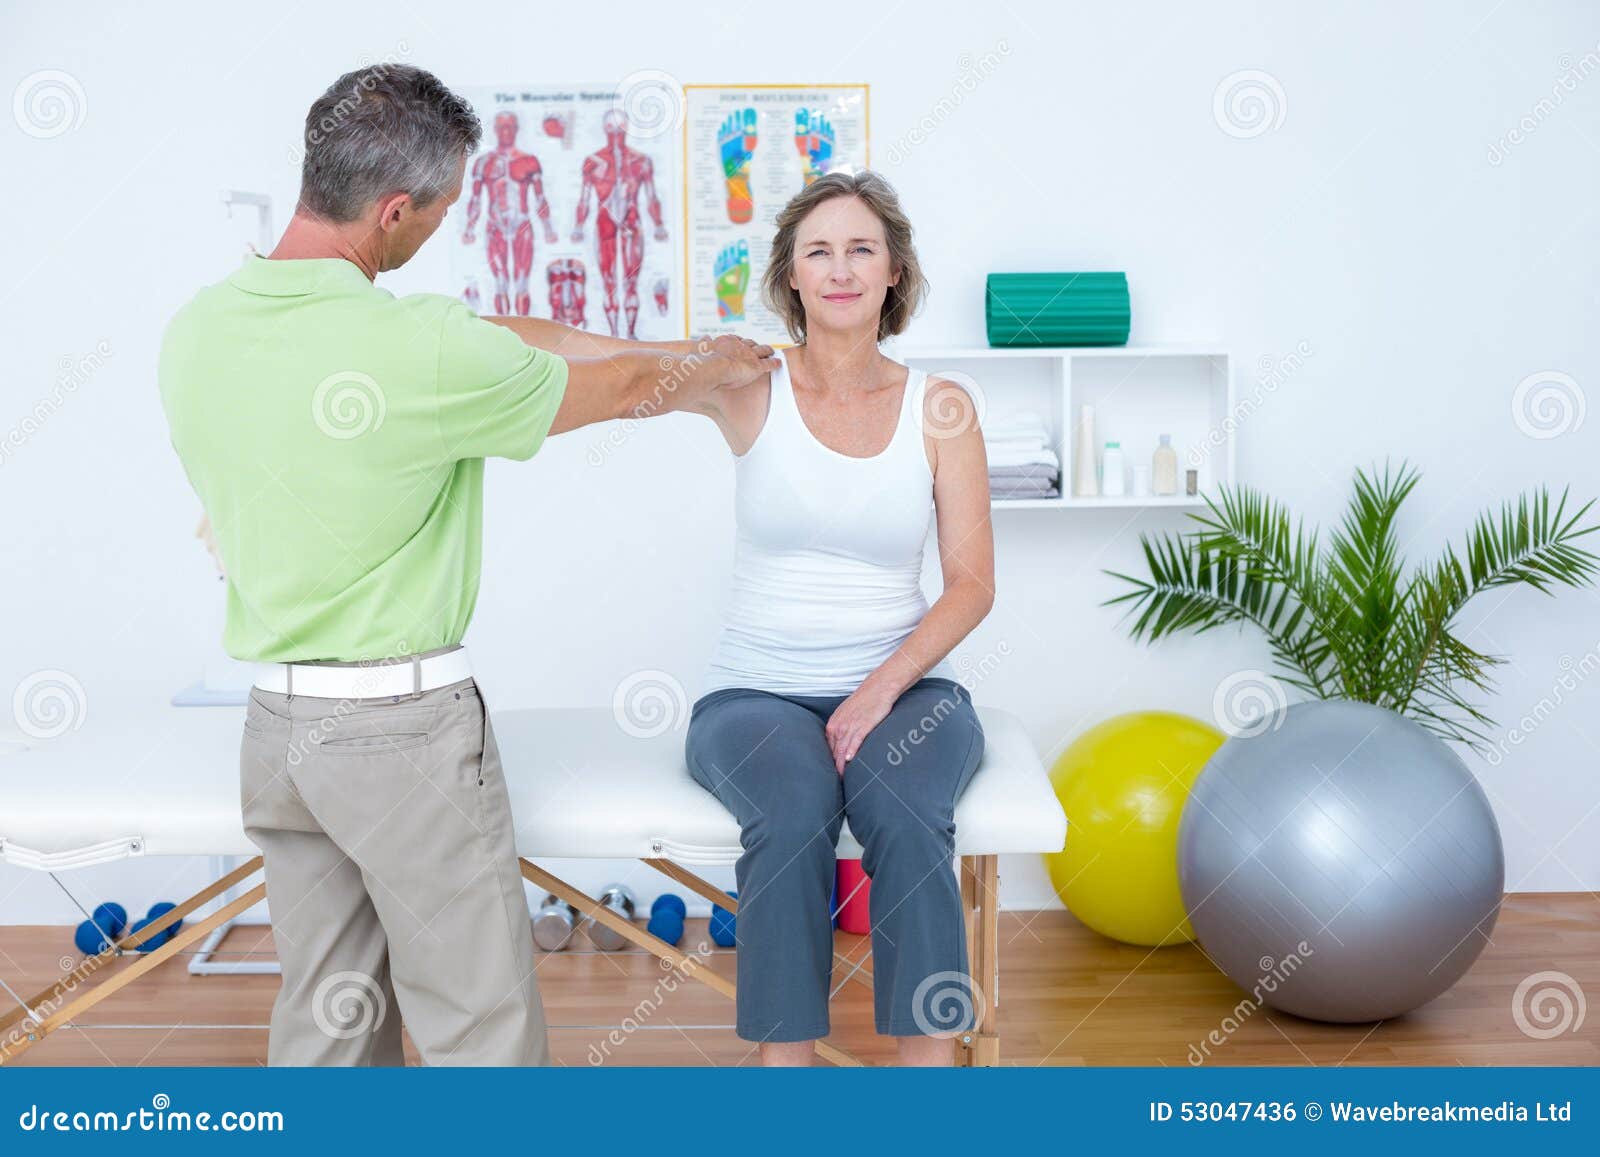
x=737, y=362
x=697, y=375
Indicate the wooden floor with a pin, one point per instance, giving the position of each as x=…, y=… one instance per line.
x=1069, y=997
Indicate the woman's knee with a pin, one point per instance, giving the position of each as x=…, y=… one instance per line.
x=885, y=820
x=918, y=761
x=796, y=824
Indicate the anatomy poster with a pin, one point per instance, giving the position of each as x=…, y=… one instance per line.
x=747, y=150
x=569, y=210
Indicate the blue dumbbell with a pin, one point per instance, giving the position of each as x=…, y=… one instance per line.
x=159, y=910
x=105, y=924
x=666, y=918
x=111, y=916
x=156, y=912
x=722, y=924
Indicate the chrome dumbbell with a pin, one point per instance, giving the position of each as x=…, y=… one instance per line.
x=553, y=923
x=618, y=898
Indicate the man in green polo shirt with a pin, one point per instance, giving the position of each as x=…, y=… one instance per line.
x=335, y=435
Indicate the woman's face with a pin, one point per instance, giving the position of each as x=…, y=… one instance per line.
x=841, y=266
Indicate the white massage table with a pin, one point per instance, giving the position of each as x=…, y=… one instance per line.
x=165, y=782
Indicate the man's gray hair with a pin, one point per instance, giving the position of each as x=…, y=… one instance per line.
x=387, y=128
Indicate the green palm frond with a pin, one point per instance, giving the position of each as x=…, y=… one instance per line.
x=1348, y=622
x=1528, y=543
x=1363, y=582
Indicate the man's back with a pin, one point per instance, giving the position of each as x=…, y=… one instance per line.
x=340, y=456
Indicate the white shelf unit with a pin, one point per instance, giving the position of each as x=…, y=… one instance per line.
x=1138, y=393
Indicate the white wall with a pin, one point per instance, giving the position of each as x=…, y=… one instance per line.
x=1426, y=277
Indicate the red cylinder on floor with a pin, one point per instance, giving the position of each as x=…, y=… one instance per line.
x=854, y=888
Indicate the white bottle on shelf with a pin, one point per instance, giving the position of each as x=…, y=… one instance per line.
x=1111, y=484
x=1164, y=469
x=1084, y=483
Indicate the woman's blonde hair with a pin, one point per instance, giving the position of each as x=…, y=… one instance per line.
x=903, y=298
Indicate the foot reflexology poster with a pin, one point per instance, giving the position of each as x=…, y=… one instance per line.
x=569, y=208
x=747, y=150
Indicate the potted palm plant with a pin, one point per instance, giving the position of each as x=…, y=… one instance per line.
x=1348, y=621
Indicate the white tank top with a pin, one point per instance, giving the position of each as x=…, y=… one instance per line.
x=827, y=561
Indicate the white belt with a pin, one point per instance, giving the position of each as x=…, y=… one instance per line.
x=369, y=681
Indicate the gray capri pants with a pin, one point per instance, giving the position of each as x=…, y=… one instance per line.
x=765, y=756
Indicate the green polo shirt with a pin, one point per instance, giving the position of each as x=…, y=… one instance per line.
x=336, y=435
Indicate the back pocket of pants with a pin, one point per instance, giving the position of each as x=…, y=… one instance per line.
x=374, y=731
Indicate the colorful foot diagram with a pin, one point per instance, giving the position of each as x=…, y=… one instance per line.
x=813, y=137
x=737, y=142
x=733, y=277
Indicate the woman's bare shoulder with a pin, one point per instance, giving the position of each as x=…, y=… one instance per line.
x=741, y=413
x=951, y=407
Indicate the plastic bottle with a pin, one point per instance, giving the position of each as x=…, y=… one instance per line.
x=1164, y=468
x=1083, y=472
x=1111, y=485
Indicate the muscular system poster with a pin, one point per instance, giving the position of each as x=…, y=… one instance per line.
x=569, y=210
x=747, y=150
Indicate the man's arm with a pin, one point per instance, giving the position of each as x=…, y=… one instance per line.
x=646, y=382
x=580, y=343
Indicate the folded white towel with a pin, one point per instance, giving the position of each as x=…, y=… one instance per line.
x=1012, y=445
x=1019, y=456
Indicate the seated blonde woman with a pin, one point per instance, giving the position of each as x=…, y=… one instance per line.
x=830, y=696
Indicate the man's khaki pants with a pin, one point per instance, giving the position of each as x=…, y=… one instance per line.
x=392, y=874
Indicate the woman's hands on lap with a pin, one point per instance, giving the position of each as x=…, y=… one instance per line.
x=853, y=720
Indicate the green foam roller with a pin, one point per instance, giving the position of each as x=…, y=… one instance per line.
x=1056, y=309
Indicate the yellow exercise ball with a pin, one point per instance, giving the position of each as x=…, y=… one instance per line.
x=1123, y=784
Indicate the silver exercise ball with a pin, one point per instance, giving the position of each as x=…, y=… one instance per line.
x=1340, y=864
